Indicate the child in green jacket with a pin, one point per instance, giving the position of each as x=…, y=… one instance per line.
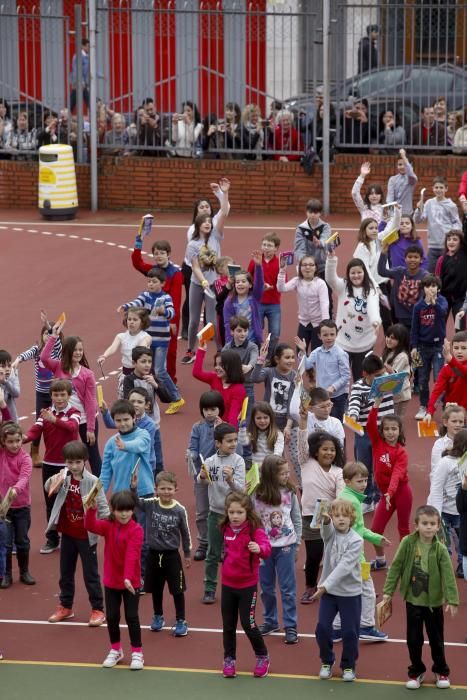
x=356, y=478
x=427, y=581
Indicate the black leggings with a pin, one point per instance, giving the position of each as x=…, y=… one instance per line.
x=314, y=554
x=186, y=272
x=235, y=601
x=95, y=460
x=113, y=601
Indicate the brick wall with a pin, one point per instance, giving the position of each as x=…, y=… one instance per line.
x=173, y=184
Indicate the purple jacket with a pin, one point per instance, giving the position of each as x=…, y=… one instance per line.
x=231, y=309
x=397, y=252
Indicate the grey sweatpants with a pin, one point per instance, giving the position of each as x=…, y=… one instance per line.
x=196, y=298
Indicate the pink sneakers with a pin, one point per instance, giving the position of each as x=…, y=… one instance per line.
x=262, y=666
x=229, y=668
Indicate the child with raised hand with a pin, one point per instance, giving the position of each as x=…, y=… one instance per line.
x=390, y=465
x=312, y=299
x=244, y=300
x=161, y=310
x=9, y=382
x=356, y=476
x=122, y=572
x=73, y=365
x=227, y=378
x=245, y=543
x=371, y=205
x=262, y=435
x=279, y=381
x=319, y=413
x=406, y=287
x=58, y=424
x=42, y=376
x=321, y=461
x=211, y=407
x=452, y=422
x=71, y=486
x=452, y=379
x=331, y=366
x=408, y=237
x=166, y=525
x=136, y=321
x=270, y=301
x=427, y=582
x=277, y=505
x=339, y=589
x=248, y=352
x=15, y=474
x=358, y=317
x=445, y=482
x=401, y=186
x=427, y=336
x=442, y=216
x=221, y=473
x=396, y=358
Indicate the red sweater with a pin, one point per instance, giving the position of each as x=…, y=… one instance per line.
x=389, y=463
x=270, y=272
x=122, y=552
x=240, y=567
x=15, y=472
x=173, y=282
x=452, y=382
x=56, y=435
x=233, y=395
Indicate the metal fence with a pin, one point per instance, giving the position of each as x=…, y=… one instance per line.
x=188, y=79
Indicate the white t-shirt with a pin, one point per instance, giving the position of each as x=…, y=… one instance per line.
x=128, y=342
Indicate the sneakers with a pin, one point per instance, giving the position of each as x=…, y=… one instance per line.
x=228, y=669
x=371, y=634
x=291, y=636
x=442, y=681
x=49, y=547
x=189, y=358
x=368, y=508
x=113, y=658
x=348, y=674
x=421, y=413
x=261, y=668
x=415, y=683
x=266, y=628
x=337, y=635
x=175, y=406
x=209, y=597
x=460, y=571
x=325, y=671
x=181, y=628
x=137, y=661
x=157, y=623
x=97, y=618
x=306, y=598
x=61, y=614
x=377, y=565
x=200, y=554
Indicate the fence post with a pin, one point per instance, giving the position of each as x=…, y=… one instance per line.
x=93, y=103
x=326, y=105
x=79, y=82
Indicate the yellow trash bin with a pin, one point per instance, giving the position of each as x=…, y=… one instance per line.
x=58, y=195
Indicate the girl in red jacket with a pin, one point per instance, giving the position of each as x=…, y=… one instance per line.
x=245, y=543
x=227, y=379
x=390, y=463
x=122, y=572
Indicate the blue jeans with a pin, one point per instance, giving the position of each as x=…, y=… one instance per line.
x=451, y=525
x=349, y=608
x=159, y=355
x=158, y=452
x=3, y=548
x=338, y=406
x=273, y=313
x=432, y=357
x=364, y=453
x=282, y=562
x=432, y=258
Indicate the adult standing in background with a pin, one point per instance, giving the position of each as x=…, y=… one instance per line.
x=84, y=75
x=367, y=50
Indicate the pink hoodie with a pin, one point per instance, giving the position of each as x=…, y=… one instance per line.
x=240, y=567
x=15, y=472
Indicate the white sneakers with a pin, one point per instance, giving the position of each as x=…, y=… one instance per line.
x=421, y=413
x=116, y=655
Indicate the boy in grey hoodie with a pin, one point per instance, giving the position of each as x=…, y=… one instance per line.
x=310, y=236
x=339, y=588
x=442, y=216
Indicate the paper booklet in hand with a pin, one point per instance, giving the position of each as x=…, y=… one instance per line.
x=288, y=256
x=205, y=470
x=427, y=430
x=6, y=503
x=206, y=333
x=388, y=384
x=351, y=423
x=92, y=493
x=383, y=612
x=145, y=226
x=321, y=506
x=252, y=478
x=57, y=481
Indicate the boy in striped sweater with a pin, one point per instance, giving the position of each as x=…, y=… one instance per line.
x=161, y=310
x=359, y=407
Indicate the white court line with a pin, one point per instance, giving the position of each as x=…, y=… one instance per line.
x=200, y=630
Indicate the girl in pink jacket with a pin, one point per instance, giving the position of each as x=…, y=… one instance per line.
x=245, y=543
x=74, y=366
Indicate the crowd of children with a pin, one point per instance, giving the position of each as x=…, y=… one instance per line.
x=250, y=513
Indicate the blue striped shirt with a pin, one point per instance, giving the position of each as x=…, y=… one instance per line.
x=159, y=328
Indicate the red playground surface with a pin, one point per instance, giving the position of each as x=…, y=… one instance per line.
x=84, y=268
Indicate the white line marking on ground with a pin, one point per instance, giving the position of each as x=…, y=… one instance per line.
x=86, y=239
x=72, y=235
x=200, y=630
x=61, y=235
x=98, y=240
x=17, y=229
x=30, y=230
x=47, y=233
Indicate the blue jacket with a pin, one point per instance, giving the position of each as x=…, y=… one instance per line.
x=117, y=465
x=145, y=422
x=429, y=322
x=202, y=442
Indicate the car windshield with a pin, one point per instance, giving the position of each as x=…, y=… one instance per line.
x=371, y=83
